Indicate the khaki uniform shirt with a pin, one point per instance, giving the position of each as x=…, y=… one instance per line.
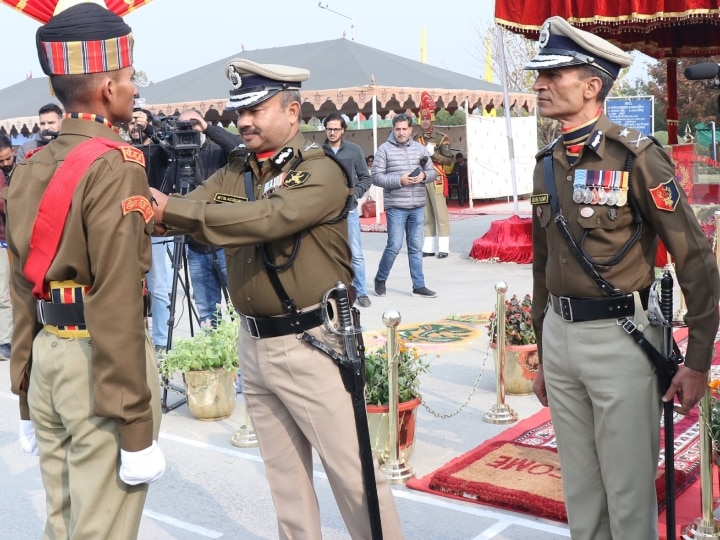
x=557, y=271
x=287, y=204
x=101, y=247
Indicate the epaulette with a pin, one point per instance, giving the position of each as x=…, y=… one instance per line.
x=132, y=154
x=632, y=139
x=312, y=151
x=545, y=149
x=33, y=151
x=240, y=154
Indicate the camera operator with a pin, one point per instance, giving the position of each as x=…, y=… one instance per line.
x=141, y=131
x=207, y=263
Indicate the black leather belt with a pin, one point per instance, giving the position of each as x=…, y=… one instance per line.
x=575, y=309
x=60, y=314
x=282, y=325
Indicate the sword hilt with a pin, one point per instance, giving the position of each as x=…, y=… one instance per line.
x=666, y=297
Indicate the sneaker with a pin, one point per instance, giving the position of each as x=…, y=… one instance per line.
x=442, y=255
x=424, y=292
x=364, y=301
x=426, y=254
x=5, y=351
x=380, y=287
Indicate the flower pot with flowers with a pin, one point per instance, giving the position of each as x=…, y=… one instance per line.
x=411, y=364
x=521, y=356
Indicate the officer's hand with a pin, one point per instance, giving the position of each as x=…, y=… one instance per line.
x=539, y=386
x=158, y=203
x=27, y=438
x=142, y=467
x=689, y=386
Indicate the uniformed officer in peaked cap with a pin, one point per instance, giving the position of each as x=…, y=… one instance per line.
x=79, y=226
x=279, y=209
x=617, y=191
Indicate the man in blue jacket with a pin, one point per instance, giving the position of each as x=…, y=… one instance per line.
x=402, y=167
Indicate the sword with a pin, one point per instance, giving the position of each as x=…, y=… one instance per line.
x=352, y=371
x=666, y=307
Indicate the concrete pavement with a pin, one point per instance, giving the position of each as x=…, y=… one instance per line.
x=214, y=490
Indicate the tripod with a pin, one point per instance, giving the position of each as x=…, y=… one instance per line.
x=179, y=260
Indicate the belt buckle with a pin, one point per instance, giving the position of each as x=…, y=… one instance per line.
x=252, y=327
x=566, y=308
x=40, y=307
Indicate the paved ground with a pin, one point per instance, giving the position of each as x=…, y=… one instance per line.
x=214, y=490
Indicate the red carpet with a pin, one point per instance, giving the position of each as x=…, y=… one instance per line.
x=519, y=470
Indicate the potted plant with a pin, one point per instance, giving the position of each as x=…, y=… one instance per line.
x=521, y=356
x=411, y=364
x=209, y=364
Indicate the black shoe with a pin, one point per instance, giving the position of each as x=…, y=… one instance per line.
x=426, y=254
x=424, y=292
x=364, y=301
x=442, y=255
x=380, y=287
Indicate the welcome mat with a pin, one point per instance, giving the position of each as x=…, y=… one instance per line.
x=522, y=472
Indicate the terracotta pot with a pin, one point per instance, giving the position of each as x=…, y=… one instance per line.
x=379, y=425
x=210, y=394
x=521, y=365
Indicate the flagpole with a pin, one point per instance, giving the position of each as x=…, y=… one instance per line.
x=508, y=123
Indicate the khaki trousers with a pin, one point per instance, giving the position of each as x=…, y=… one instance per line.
x=80, y=452
x=297, y=402
x=437, y=222
x=605, y=406
x=6, y=320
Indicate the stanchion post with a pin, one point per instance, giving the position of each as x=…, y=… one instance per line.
x=500, y=412
x=245, y=437
x=705, y=526
x=396, y=470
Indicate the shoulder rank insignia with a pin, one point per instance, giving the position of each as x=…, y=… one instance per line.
x=130, y=153
x=137, y=203
x=225, y=198
x=666, y=195
x=540, y=199
x=296, y=178
x=283, y=156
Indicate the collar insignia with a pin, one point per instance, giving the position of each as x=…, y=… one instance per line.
x=595, y=140
x=283, y=156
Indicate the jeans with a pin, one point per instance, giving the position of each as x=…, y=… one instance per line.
x=158, y=283
x=207, y=283
x=358, y=259
x=408, y=222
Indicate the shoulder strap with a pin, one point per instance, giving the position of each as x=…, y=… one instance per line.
x=55, y=206
x=561, y=223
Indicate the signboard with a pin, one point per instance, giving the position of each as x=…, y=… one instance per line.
x=636, y=112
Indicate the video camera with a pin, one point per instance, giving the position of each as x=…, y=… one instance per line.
x=178, y=136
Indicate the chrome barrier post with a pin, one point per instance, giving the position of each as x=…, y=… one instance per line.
x=245, y=437
x=500, y=412
x=396, y=470
x=705, y=526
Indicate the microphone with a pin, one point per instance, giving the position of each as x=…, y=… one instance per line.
x=418, y=170
x=706, y=70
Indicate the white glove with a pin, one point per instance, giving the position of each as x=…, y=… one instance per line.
x=144, y=466
x=27, y=438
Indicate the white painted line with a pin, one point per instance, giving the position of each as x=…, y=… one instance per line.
x=211, y=447
x=202, y=531
x=493, y=531
x=480, y=512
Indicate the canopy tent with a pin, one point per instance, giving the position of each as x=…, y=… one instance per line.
x=344, y=77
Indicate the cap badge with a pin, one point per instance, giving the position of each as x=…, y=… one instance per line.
x=544, y=35
x=234, y=77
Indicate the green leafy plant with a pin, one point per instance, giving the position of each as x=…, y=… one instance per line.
x=411, y=364
x=519, y=328
x=211, y=348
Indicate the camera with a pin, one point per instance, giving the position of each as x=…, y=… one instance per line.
x=178, y=135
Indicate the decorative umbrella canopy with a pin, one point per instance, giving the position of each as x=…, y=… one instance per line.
x=42, y=10
x=659, y=28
